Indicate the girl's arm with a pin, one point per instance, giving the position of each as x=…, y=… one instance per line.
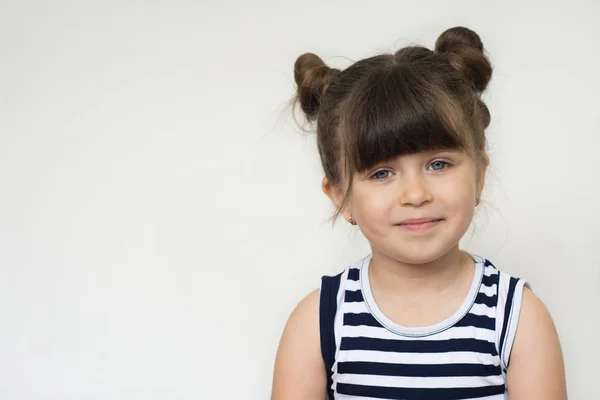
x=299, y=367
x=536, y=368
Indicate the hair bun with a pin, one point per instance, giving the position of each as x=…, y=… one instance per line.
x=464, y=51
x=313, y=78
x=459, y=36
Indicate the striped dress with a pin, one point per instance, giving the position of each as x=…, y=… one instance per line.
x=466, y=356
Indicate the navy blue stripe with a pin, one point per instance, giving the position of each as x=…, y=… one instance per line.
x=351, y=296
x=478, y=321
x=418, y=370
x=509, y=302
x=418, y=346
x=367, y=319
x=361, y=319
x=381, y=392
x=482, y=298
x=353, y=274
x=490, y=280
x=327, y=310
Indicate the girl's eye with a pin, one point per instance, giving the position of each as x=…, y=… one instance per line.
x=438, y=165
x=380, y=175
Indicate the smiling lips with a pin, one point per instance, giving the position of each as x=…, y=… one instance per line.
x=419, y=224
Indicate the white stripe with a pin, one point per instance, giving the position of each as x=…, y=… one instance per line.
x=418, y=381
x=489, y=291
x=459, y=357
x=482, y=309
x=457, y=332
x=350, y=397
x=354, y=308
x=352, y=285
x=489, y=270
x=511, y=330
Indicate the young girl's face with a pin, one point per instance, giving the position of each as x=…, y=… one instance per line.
x=416, y=207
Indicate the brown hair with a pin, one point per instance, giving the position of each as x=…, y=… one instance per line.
x=394, y=104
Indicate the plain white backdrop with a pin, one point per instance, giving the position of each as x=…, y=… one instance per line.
x=161, y=215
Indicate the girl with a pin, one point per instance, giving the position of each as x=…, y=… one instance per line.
x=401, y=140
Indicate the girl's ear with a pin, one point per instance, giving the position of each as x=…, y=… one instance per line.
x=485, y=162
x=334, y=192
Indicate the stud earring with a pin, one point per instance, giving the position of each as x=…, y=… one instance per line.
x=351, y=220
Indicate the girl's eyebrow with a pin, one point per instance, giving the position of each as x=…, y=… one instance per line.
x=446, y=151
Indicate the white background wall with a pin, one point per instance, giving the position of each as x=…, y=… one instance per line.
x=160, y=215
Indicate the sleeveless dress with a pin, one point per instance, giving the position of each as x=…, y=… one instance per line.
x=466, y=356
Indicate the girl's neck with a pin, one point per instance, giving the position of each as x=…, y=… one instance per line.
x=392, y=276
